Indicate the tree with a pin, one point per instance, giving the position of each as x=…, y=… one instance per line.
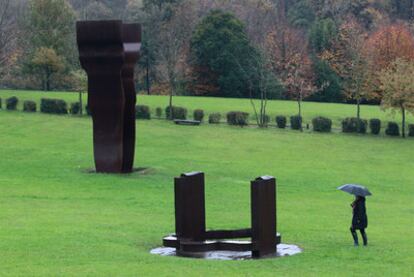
x=173, y=46
x=398, y=88
x=220, y=47
x=348, y=58
x=46, y=63
x=292, y=64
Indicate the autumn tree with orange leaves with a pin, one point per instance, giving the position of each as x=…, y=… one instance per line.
x=290, y=61
x=348, y=59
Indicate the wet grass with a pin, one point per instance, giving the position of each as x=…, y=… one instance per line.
x=58, y=219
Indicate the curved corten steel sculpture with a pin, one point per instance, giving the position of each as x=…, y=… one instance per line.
x=102, y=54
x=191, y=237
x=132, y=46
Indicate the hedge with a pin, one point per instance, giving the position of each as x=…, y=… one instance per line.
x=158, y=112
x=0, y=103
x=354, y=125
x=322, y=124
x=53, y=106
x=393, y=129
x=375, y=126
x=11, y=103
x=75, y=108
x=177, y=112
x=198, y=115
x=142, y=112
x=237, y=118
x=29, y=106
x=281, y=121
x=214, y=118
x=296, y=122
x=411, y=130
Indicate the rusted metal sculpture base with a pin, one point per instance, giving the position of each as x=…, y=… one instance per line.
x=190, y=224
x=283, y=250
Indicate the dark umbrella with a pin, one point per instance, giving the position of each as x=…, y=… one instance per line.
x=357, y=190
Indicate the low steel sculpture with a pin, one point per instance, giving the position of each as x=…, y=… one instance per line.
x=108, y=51
x=191, y=237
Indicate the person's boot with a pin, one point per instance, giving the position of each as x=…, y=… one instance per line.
x=365, y=238
x=355, y=236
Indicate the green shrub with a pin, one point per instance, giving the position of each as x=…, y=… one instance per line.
x=322, y=124
x=29, y=106
x=142, y=112
x=237, y=118
x=0, y=103
x=177, y=112
x=375, y=126
x=214, y=118
x=296, y=122
x=53, y=106
x=198, y=115
x=392, y=129
x=158, y=112
x=411, y=130
x=354, y=125
x=281, y=121
x=11, y=103
x=75, y=108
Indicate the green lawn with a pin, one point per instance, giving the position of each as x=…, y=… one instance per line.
x=336, y=112
x=58, y=220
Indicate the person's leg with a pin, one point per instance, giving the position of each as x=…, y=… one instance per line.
x=354, y=235
x=364, y=236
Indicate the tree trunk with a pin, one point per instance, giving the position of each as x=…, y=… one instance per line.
x=358, y=108
x=148, y=78
x=80, y=103
x=403, y=122
x=300, y=111
x=170, y=105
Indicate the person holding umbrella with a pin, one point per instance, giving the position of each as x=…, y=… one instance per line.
x=359, y=213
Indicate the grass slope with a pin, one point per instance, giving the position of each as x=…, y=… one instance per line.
x=57, y=219
x=336, y=112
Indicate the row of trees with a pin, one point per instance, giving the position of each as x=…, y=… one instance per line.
x=321, y=50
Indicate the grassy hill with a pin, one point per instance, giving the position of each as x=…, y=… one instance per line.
x=336, y=112
x=58, y=219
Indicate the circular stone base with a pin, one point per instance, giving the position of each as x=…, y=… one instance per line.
x=282, y=251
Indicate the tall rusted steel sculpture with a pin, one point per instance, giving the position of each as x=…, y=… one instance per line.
x=107, y=51
x=132, y=45
x=191, y=236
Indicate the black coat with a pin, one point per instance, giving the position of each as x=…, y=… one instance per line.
x=359, y=217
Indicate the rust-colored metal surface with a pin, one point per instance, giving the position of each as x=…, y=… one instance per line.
x=191, y=237
x=102, y=56
x=132, y=45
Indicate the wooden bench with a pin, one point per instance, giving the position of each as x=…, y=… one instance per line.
x=187, y=122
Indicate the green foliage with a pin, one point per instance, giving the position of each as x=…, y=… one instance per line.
x=158, y=112
x=328, y=81
x=29, y=106
x=237, y=118
x=411, y=130
x=296, y=122
x=322, y=124
x=214, y=118
x=322, y=34
x=301, y=14
x=221, y=46
x=11, y=103
x=75, y=108
x=281, y=121
x=375, y=126
x=198, y=115
x=177, y=112
x=393, y=129
x=53, y=106
x=142, y=112
x=354, y=125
